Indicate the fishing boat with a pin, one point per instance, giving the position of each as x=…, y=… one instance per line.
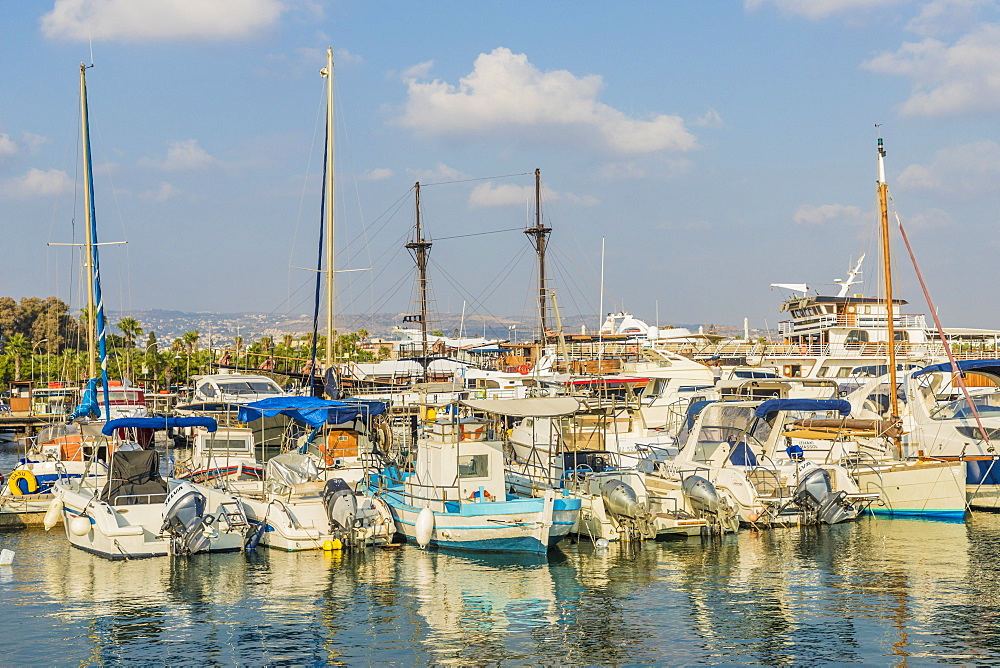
x=137, y=513
x=457, y=495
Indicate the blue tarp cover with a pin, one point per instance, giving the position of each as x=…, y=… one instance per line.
x=772, y=405
x=310, y=410
x=88, y=407
x=963, y=365
x=158, y=423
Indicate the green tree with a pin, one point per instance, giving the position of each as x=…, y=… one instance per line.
x=17, y=347
x=131, y=330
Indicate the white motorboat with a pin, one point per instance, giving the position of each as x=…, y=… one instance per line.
x=136, y=513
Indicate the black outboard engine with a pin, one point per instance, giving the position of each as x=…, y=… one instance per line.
x=341, y=506
x=185, y=520
x=815, y=494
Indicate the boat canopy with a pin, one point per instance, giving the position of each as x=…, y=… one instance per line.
x=774, y=405
x=989, y=366
x=158, y=423
x=536, y=407
x=313, y=411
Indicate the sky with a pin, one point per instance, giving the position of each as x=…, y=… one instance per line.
x=709, y=148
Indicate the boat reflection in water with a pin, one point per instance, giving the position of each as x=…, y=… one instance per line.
x=872, y=591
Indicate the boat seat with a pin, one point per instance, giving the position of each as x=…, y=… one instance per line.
x=134, y=478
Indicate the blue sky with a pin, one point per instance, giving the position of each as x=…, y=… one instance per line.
x=716, y=147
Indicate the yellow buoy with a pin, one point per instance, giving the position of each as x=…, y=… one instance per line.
x=332, y=545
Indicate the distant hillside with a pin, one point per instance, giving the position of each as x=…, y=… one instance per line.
x=223, y=327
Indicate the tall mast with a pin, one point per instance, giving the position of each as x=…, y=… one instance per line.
x=88, y=205
x=95, y=305
x=539, y=238
x=883, y=198
x=420, y=249
x=330, y=284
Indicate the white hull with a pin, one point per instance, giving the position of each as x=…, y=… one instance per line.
x=133, y=531
x=918, y=489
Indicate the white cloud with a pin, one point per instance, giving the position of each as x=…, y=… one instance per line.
x=487, y=194
x=939, y=17
x=32, y=141
x=7, y=145
x=710, y=119
x=827, y=214
x=161, y=194
x=36, y=183
x=930, y=219
x=441, y=173
x=957, y=171
x=645, y=169
x=505, y=194
x=506, y=93
x=819, y=9
x=961, y=78
x=182, y=155
x=378, y=174
x=144, y=20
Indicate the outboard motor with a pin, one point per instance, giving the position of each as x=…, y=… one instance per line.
x=620, y=499
x=815, y=493
x=341, y=505
x=185, y=520
x=701, y=494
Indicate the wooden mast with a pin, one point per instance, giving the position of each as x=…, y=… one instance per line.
x=420, y=248
x=539, y=238
x=883, y=197
x=330, y=246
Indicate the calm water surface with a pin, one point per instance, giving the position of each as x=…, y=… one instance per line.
x=876, y=591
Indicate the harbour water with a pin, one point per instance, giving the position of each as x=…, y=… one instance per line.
x=875, y=591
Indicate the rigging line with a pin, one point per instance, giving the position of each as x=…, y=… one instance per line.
x=479, y=234
x=944, y=341
x=305, y=183
x=350, y=304
x=514, y=259
x=470, y=180
x=342, y=116
x=390, y=294
x=570, y=292
x=479, y=308
x=394, y=208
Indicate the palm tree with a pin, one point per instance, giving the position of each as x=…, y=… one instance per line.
x=17, y=346
x=131, y=330
x=190, y=340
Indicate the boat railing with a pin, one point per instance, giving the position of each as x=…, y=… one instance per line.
x=133, y=499
x=435, y=497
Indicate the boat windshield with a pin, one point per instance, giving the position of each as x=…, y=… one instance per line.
x=249, y=387
x=987, y=405
x=724, y=423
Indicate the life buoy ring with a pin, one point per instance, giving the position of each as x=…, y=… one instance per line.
x=524, y=369
x=486, y=495
x=30, y=482
x=803, y=350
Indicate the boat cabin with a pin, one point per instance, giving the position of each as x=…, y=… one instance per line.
x=457, y=457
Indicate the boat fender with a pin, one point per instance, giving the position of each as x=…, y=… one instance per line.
x=254, y=536
x=80, y=525
x=424, y=526
x=21, y=482
x=53, y=513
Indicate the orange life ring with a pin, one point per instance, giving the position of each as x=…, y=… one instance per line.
x=524, y=369
x=486, y=495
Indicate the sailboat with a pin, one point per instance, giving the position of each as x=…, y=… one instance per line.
x=133, y=512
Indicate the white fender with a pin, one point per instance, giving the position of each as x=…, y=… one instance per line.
x=424, y=526
x=53, y=514
x=80, y=525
